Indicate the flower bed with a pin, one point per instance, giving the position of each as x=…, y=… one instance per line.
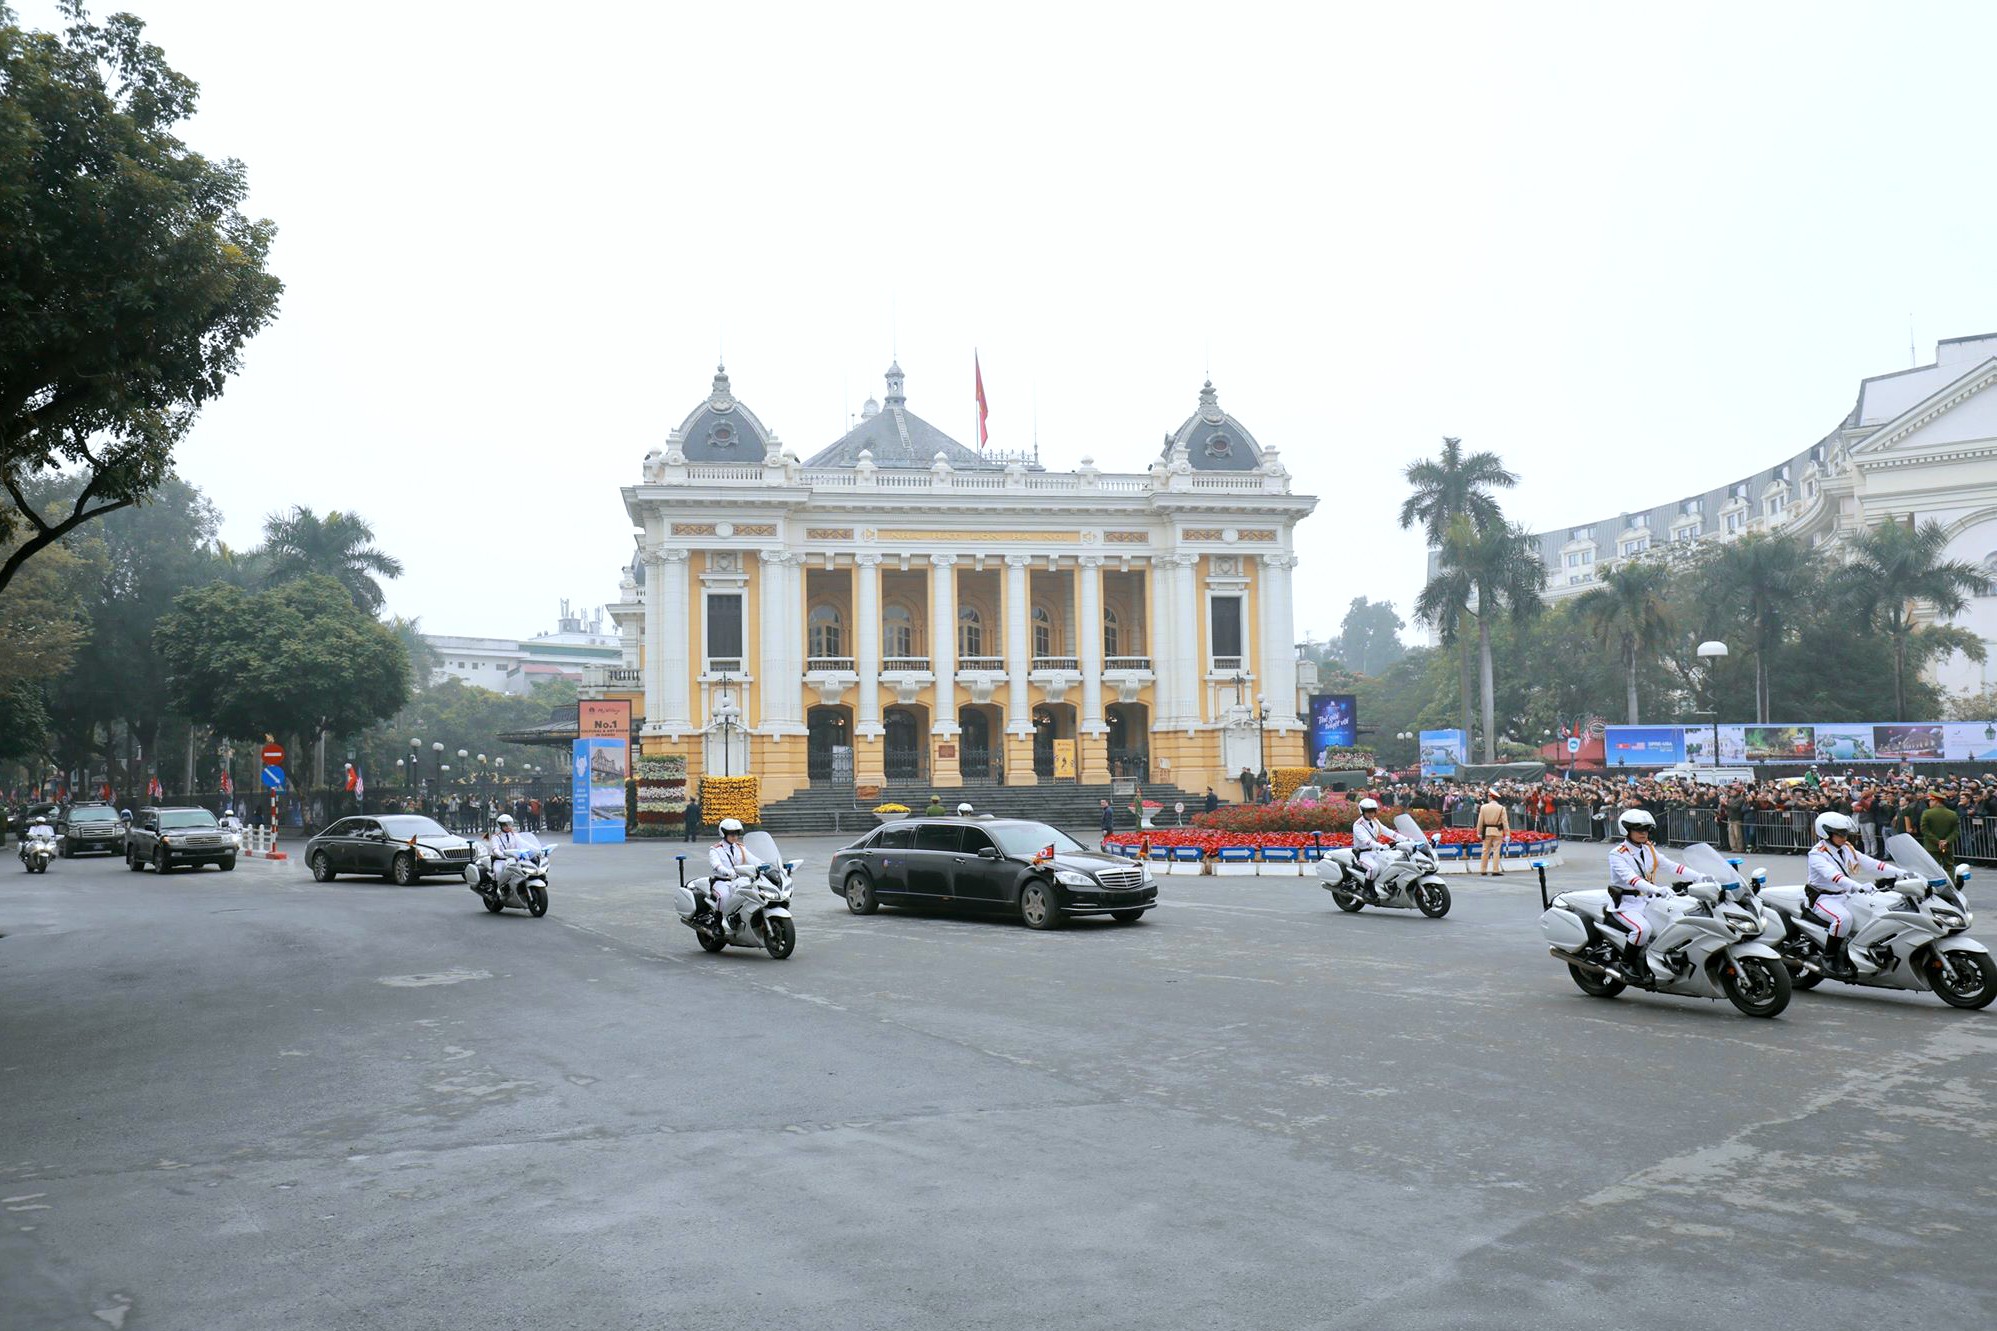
x=661, y=784
x=1327, y=818
x=1210, y=841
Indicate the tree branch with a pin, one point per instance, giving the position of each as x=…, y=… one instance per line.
x=48, y=536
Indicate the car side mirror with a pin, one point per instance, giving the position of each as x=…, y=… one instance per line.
x=989, y=853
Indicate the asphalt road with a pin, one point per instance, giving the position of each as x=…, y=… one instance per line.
x=245, y=1100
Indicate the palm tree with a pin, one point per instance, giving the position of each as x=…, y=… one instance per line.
x=1765, y=577
x=1628, y=611
x=1894, y=573
x=1450, y=490
x=1503, y=570
x=1454, y=486
x=339, y=546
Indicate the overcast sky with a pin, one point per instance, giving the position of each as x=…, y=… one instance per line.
x=1636, y=250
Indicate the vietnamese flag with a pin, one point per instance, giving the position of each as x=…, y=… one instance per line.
x=978, y=374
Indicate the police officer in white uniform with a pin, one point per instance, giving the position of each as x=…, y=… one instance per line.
x=1634, y=867
x=1371, y=837
x=1833, y=862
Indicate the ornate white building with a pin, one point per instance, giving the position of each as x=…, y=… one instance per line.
x=1918, y=443
x=901, y=608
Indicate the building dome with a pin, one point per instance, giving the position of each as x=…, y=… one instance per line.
x=1214, y=440
x=894, y=437
x=721, y=429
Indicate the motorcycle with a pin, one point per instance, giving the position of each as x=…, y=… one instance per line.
x=1716, y=945
x=758, y=903
x=516, y=877
x=36, y=854
x=1407, y=879
x=1908, y=934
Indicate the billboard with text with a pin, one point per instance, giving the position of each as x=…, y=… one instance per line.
x=1334, y=723
x=1643, y=746
x=1442, y=752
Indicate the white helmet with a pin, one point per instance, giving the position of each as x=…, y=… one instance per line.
x=1369, y=805
x=504, y=820
x=731, y=827
x=1637, y=818
x=963, y=810
x=1830, y=821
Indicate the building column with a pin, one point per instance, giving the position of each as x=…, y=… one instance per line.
x=782, y=711
x=1278, y=672
x=1018, y=660
x=870, y=759
x=1165, y=665
x=654, y=638
x=1186, y=628
x=675, y=712
x=1092, y=743
x=943, y=768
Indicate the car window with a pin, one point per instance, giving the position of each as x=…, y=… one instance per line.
x=1032, y=838
x=345, y=827
x=937, y=836
x=365, y=827
x=187, y=818
x=975, y=840
x=893, y=838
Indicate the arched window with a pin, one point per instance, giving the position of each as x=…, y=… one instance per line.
x=827, y=637
x=1043, y=631
x=1112, y=632
x=897, y=630
x=970, y=632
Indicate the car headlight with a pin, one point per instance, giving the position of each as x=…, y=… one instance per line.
x=426, y=853
x=1070, y=878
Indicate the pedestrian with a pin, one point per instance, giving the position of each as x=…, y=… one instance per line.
x=1247, y=786
x=1492, y=825
x=935, y=809
x=1939, y=825
x=1108, y=821
x=1212, y=800
x=692, y=817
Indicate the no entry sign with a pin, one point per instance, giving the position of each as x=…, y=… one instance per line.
x=273, y=755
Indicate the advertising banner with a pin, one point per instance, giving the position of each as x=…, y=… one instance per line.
x=1334, y=723
x=1442, y=752
x=1643, y=746
x=1846, y=742
x=597, y=786
x=1916, y=742
x=607, y=718
x=1970, y=741
x=1781, y=744
x=1064, y=758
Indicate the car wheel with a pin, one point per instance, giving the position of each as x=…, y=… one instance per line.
x=321, y=865
x=402, y=870
x=132, y=862
x=226, y=864
x=1037, y=907
x=860, y=898
x=160, y=862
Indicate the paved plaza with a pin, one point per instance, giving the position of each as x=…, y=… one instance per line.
x=245, y=1100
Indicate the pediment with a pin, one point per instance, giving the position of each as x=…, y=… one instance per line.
x=1960, y=415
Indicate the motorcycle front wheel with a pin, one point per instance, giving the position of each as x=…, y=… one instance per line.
x=1755, y=985
x=1965, y=979
x=537, y=899
x=782, y=940
x=1432, y=899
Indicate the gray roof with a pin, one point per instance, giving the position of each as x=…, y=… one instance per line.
x=1214, y=440
x=722, y=429
x=899, y=438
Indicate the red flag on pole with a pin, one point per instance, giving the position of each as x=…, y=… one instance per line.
x=978, y=373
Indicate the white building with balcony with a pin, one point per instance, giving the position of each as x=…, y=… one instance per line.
x=898, y=607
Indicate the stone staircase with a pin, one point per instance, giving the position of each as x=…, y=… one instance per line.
x=817, y=810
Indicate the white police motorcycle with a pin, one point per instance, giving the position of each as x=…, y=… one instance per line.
x=1910, y=934
x=1717, y=943
x=36, y=853
x=1407, y=879
x=517, y=877
x=758, y=903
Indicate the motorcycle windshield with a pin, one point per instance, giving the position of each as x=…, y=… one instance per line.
x=762, y=847
x=1912, y=857
x=1703, y=859
x=528, y=842
x=1407, y=827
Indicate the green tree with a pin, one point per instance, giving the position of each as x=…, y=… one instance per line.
x=1504, y=568
x=1627, y=611
x=295, y=660
x=1768, y=582
x=1444, y=605
x=129, y=278
x=1369, y=638
x=339, y=546
x=1895, y=569
x=43, y=621
x=423, y=659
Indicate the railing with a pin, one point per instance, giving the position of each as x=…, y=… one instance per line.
x=902, y=764
x=724, y=665
x=709, y=471
x=1226, y=665
x=981, y=663
x=894, y=663
x=983, y=481
x=974, y=762
x=611, y=677
x=816, y=664
x=1056, y=663
x=1126, y=663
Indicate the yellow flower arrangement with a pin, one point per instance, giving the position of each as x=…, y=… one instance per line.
x=729, y=797
x=890, y=807
x=1283, y=782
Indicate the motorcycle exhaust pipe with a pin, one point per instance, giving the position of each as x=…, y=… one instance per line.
x=1592, y=967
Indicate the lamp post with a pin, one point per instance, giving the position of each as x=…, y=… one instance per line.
x=415, y=751
x=726, y=715
x=1261, y=719
x=1711, y=653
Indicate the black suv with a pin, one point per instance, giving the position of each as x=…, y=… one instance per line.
x=1028, y=869
x=165, y=838
x=80, y=828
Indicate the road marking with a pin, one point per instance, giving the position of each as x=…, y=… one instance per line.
x=439, y=977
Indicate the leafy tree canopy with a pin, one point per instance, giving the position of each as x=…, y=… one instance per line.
x=130, y=279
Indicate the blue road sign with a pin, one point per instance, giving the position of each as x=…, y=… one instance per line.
x=274, y=777
x=1574, y=744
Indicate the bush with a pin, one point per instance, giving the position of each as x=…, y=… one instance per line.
x=1301, y=818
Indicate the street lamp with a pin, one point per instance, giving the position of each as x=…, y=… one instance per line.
x=415, y=751
x=727, y=719
x=1712, y=653
x=1261, y=718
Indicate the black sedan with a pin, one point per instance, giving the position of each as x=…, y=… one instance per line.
x=1027, y=869
x=404, y=848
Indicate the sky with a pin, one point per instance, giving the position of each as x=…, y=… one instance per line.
x=1634, y=250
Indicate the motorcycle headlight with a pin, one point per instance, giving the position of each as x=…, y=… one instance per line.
x=1950, y=919
x=1070, y=878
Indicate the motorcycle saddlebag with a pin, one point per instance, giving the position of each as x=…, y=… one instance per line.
x=1563, y=929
